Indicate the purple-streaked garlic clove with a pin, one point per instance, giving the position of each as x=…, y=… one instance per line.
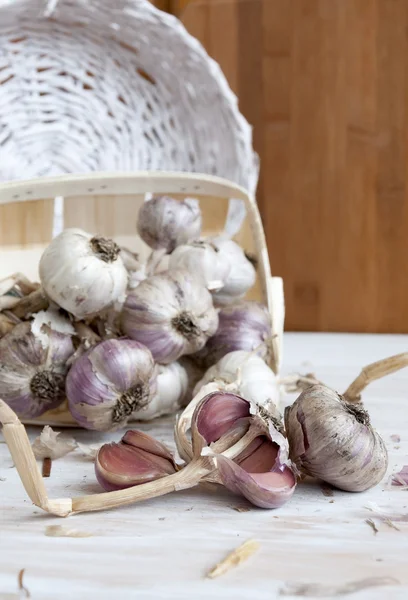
x=171, y=313
x=111, y=382
x=136, y=459
x=164, y=222
x=261, y=471
x=242, y=326
x=334, y=440
x=33, y=368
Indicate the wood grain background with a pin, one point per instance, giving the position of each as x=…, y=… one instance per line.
x=325, y=84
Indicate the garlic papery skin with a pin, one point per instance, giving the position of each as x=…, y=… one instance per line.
x=204, y=260
x=334, y=441
x=111, y=382
x=172, y=314
x=136, y=459
x=241, y=276
x=83, y=274
x=172, y=387
x=246, y=374
x=242, y=326
x=165, y=222
x=260, y=471
x=33, y=369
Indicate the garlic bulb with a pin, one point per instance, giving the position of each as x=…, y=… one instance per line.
x=83, y=274
x=33, y=369
x=110, y=383
x=203, y=259
x=245, y=374
x=164, y=222
x=333, y=440
x=136, y=459
x=242, y=326
x=172, y=387
x=171, y=314
x=241, y=276
x=260, y=471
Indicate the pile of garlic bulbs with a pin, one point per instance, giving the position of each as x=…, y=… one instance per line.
x=125, y=340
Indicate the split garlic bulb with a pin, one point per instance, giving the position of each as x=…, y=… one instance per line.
x=164, y=222
x=110, y=383
x=334, y=441
x=245, y=374
x=203, y=259
x=241, y=276
x=33, y=369
x=83, y=274
x=172, y=314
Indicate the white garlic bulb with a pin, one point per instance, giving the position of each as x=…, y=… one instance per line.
x=246, y=374
x=203, y=259
x=172, y=387
x=241, y=276
x=171, y=313
x=83, y=274
x=165, y=222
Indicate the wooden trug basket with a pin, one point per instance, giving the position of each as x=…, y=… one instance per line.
x=108, y=203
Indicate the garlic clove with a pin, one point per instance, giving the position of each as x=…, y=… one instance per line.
x=241, y=276
x=217, y=414
x=164, y=222
x=334, y=441
x=136, y=459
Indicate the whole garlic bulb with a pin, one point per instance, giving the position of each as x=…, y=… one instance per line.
x=33, y=369
x=83, y=274
x=334, y=441
x=245, y=374
x=164, y=222
x=241, y=276
x=171, y=313
x=242, y=326
x=172, y=387
x=203, y=259
x=110, y=383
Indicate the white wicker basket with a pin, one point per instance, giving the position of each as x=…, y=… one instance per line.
x=97, y=85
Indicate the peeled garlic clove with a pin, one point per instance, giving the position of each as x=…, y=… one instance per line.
x=110, y=383
x=33, y=369
x=204, y=260
x=242, y=326
x=172, y=314
x=258, y=474
x=334, y=441
x=137, y=458
x=245, y=374
x=164, y=222
x=83, y=274
x=241, y=276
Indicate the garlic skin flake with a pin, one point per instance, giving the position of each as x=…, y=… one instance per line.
x=83, y=274
x=33, y=369
x=109, y=383
x=334, y=441
x=49, y=445
x=246, y=374
x=172, y=314
x=165, y=222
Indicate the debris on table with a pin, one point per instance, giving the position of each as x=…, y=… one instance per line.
x=373, y=526
x=50, y=445
x=395, y=438
x=60, y=531
x=400, y=478
x=235, y=558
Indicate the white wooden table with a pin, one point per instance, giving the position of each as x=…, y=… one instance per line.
x=164, y=548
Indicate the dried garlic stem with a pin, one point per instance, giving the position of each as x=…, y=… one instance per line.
x=372, y=372
x=5, y=325
x=235, y=558
x=33, y=303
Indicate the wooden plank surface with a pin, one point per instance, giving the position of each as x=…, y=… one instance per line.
x=164, y=548
x=324, y=82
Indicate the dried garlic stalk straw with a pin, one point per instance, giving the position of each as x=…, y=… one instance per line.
x=235, y=558
x=372, y=372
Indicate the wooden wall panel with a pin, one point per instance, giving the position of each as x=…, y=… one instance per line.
x=325, y=84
